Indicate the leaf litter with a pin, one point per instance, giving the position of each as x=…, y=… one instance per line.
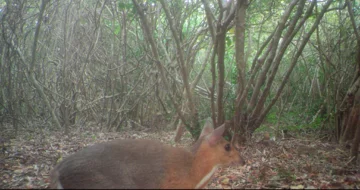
x=296, y=163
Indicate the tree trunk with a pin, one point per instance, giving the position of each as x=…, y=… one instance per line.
x=31, y=69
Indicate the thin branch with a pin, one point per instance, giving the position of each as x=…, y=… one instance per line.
x=181, y=57
x=294, y=60
x=150, y=39
x=353, y=23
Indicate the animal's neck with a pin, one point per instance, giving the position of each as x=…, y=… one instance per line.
x=203, y=170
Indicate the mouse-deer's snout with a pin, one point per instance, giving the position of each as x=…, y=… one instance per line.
x=242, y=160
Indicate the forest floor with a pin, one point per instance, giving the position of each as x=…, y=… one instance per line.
x=295, y=163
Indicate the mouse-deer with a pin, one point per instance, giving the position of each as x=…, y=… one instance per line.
x=146, y=164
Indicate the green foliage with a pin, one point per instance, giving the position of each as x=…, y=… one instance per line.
x=299, y=118
x=117, y=30
x=262, y=128
x=233, y=74
x=230, y=107
x=187, y=135
x=229, y=41
x=125, y=5
x=304, y=126
x=271, y=118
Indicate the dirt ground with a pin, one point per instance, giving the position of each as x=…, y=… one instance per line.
x=296, y=163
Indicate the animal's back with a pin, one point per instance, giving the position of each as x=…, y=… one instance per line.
x=115, y=164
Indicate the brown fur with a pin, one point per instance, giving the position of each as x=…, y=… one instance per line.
x=143, y=164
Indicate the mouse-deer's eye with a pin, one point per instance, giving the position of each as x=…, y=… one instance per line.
x=227, y=147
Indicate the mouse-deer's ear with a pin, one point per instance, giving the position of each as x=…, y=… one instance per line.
x=216, y=135
x=208, y=128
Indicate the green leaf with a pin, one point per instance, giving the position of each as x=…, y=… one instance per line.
x=228, y=41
